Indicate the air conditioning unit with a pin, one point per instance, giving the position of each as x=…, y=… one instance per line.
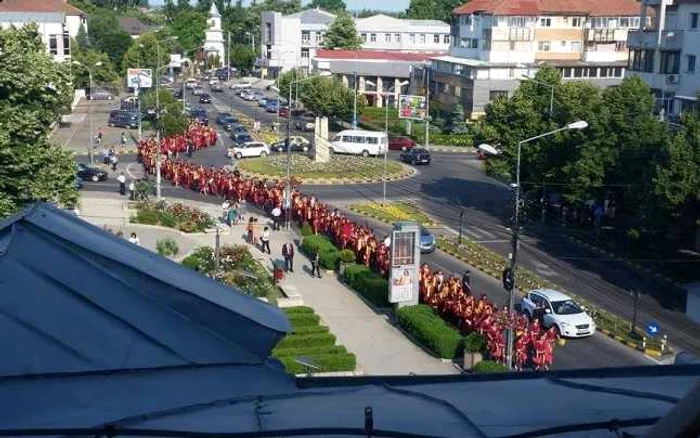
x=672, y=79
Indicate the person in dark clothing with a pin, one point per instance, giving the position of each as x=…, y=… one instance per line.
x=316, y=266
x=288, y=254
x=467, y=281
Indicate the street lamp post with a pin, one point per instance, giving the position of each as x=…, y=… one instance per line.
x=91, y=152
x=509, y=273
x=551, y=92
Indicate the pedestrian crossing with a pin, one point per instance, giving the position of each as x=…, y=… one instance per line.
x=476, y=233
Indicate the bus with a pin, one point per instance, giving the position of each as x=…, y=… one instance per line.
x=359, y=142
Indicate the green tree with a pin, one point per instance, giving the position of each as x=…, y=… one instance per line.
x=82, y=39
x=172, y=120
x=189, y=27
x=342, y=34
x=422, y=10
x=328, y=97
x=144, y=52
x=457, y=120
x=35, y=91
x=242, y=56
x=328, y=5
x=106, y=36
x=104, y=74
x=444, y=8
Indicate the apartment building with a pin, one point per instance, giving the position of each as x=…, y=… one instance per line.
x=291, y=41
x=57, y=20
x=496, y=44
x=665, y=53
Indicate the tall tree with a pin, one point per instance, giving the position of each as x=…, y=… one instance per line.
x=422, y=10
x=35, y=91
x=189, y=27
x=444, y=8
x=144, y=52
x=104, y=74
x=328, y=5
x=82, y=39
x=342, y=34
x=107, y=36
x=457, y=123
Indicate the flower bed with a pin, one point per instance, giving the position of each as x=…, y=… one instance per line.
x=176, y=215
x=372, y=286
x=237, y=267
x=426, y=326
x=308, y=339
x=392, y=212
x=346, y=167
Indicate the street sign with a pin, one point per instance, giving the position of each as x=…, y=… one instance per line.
x=652, y=328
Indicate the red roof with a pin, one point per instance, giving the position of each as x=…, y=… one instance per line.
x=38, y=6
x=550, y=7
x=382, y=55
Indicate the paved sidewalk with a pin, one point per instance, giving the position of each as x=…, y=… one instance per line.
x=381, y=348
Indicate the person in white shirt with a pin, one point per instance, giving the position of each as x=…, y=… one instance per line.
x=134, y=239
x=132, y=190
x=265, y=239
x=276, y=213
x=122, y=184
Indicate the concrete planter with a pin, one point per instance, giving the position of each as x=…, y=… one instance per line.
x=471, y=359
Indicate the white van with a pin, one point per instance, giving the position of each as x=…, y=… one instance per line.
x=358, y=142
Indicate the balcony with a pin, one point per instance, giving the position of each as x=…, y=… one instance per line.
x=512, y=34
x=647, y=39
x=605, y=35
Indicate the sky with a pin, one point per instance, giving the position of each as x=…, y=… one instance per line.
x=384, y=5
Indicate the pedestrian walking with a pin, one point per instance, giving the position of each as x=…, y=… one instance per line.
x=132, y=190
x=265, y=240
x=114, y=161
x=467, y=281
x=232, y=216
x=316, y=265
x=134, y=239
x=256, y=231
x=276, y=213
x=224, y=210
x=288, y=254
x=123, y=140
x=98, y=137
x=122, y=184
x=249, y=229
x=105, y=156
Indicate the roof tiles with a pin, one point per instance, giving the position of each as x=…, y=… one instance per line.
x=38, y=6
x=545, y=7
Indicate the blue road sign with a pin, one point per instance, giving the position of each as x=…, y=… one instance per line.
x=652, y=328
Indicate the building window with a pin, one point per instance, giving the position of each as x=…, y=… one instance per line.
x=458, y=91
x=397, y=37
x=694, y=20
x=495, y=94
x=624, y=22
x=268, y=51
x=53, y=44
x=636, y=21
x=576, y=46
x=516, y=21
x=690, y=63
x=66, y=44
x=606, y=72
x=268, y=32
x=599, y=22
x=422, y=38
x=305, y=37
x=467, y=20
x=305, y=53
x=544, y=46
x=436, y=39
x=364, y=37
x=620, y=46
x=566, y=72
x=545, y=22
x=618, y=72
x=412, y=38
x=563, y=44
x=446, y=39
x=670, y=62
x=373, y=37
x=576, y=22
x=387, y=37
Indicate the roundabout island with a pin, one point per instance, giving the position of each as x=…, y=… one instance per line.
x=339, y=169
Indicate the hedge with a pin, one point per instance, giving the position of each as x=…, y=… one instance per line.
x=311, y=329
x=475, y=343
x=489, y=366
x=298, y=309
x=326, y=363
x=328, y=254
x=310, y=351
x=303, y=319
x=192, y=262
x=424, y=324
x=372, y=286
x=461, y=140
x=311, y=340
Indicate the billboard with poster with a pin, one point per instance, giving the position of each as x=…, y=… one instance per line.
x=412, y=107
x=139, y=78
x=405, y=259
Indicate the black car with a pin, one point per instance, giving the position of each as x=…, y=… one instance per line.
x=199, y=115
x=205, y=98
x=235, y=128
x=225, y=118
x=177, y=92
x=87, y=173
x=299, y=144
x=416, y=156
x=123, y=119
x=241, y=137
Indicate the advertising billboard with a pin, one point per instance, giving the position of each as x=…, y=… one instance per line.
x=403, y=280
x=139, y=78
x=412, y=107
x=405, y=257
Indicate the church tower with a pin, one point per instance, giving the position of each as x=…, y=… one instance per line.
x=214, y=39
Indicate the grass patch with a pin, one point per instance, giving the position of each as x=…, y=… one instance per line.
x=393, y=212
x=339, y=167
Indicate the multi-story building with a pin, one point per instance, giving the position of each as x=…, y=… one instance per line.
x=57, y=20
x=496, y=44
x=665, y=53
x=291, y=41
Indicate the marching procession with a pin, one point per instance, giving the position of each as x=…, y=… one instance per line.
x=533, y=347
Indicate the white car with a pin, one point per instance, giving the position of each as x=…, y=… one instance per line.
x=213, y=81
x=241, y=85
x=250, y=149
x=560, y=311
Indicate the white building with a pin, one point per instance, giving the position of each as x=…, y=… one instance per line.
x=214, y=37
x=290, y=41
x=58, y=22
x=665, y=53
x=496, y=43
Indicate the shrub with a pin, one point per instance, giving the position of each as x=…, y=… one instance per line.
x=372, y=286
x=347, y=256
x=310, y=351
x=489, y=366
x=329, y=259
x=298, y=309
x=192, y=262
x=313, y=340
x=326, y=363
x=424, y=324
x=306, y=230
x=352, y=271
x=474, y=343
x=309, y=329
x=167, y=247
x=303, y=319
x=462, y=140
x=313, y=243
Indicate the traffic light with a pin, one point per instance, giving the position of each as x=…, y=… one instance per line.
x=507, y=279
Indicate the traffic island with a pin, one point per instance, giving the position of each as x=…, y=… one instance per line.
x=391, y=212
x=340, y=169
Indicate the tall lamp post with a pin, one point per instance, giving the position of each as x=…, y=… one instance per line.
x=91, y=151
x=509, y=273
x=386, y=129
x=551, y=92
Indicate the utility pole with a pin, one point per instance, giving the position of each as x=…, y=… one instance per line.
x=288, y=201
x=217, y=252
x=354, y=105
x=228, y=59
x=634, y=313
x=158, y=155
x=91, y=138
x=427, y=107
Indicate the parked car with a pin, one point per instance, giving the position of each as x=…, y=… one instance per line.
x=235, y=128
x=240, y=138
x=94, y=174
x=241, y=85
x=199, y=115
x=217, y=87
x=192, y=84
x=272, y=106
x=255, y=95
x=400, y=143
x=427, y=241
x=416, y=156
x=262, y=101
x=299, y=144
x=130, y=103
x=284, y=111
x=213, y=80
x=123, y=119
x=249, y=149
x=100, y=94
x=304, y=124
x=223, y=118
x=558, y=310
x=205, y=98
x=177, y=92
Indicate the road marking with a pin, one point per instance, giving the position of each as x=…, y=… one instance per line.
x=128, y=171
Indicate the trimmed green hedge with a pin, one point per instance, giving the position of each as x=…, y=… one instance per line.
x=424, y=324
x=310, y=329
x=368, y=283
x=461, y=140
x=489, y=366
x=298, y=309
x=311, y=340
x=310, y=351
x=326, y=363
x=328, y=254
x=303, y=319
x=192, y=262
x=475, y=343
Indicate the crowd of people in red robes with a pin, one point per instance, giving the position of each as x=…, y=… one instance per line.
x=532, y=347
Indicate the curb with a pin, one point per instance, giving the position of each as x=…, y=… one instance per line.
x=334, y=181
x=120, y=151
